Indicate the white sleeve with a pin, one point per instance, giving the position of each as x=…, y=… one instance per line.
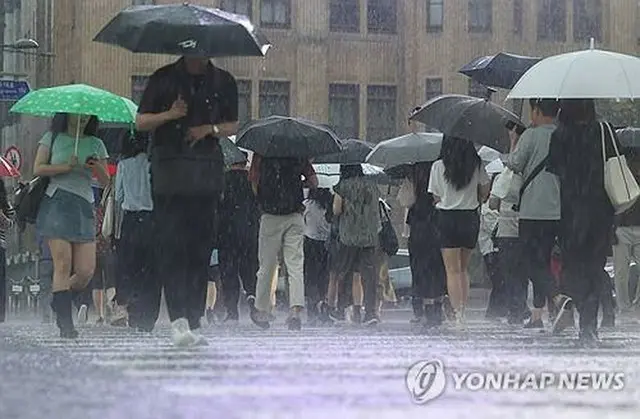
x=435, y=183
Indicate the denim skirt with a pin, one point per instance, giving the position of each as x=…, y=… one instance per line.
x=66, y=216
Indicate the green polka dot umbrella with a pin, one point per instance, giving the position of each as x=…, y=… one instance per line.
x=78, y=99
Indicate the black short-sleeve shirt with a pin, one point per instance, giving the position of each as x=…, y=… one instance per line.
x=214, y=102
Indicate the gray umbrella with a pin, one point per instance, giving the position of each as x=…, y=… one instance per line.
x=629, y=137
x=353, y=152
x=232, y=154
x=474, y=119
x=412, y=148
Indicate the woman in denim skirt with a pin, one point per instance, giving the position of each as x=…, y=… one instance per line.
x=66, y=217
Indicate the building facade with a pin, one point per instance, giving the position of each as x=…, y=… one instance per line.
x=359, y=65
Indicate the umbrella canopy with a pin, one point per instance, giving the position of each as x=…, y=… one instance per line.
x=502, y=70
x=77, y=99
x=590, y=74
x=408, y=149
x=184, y=29
x=7, y=169
x=232, y=154
x=282, y=136
x=629, y=137
x=474, y=119
x=353, y=152
x=329, y=174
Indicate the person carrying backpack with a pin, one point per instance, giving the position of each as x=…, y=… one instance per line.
x=278, y=185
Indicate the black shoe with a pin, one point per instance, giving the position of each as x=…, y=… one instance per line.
x=371, y=320
x=61, y=304
x=231, y=318
x=534, y=324
x=260, y=319
x=336, y=315
x=294, y=323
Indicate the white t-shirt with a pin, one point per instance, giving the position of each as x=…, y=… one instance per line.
x=451, y=198
x=508, y=220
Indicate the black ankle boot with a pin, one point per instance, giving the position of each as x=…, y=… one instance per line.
x=61, y=305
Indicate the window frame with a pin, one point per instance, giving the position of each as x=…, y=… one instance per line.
x=273, y=24
x=341, y=27
x=261, y=89
x=235, y=7
x=549, y=9
x=393, y=128
x=475, y=6
x=335, y=94
x=435, y=28
x=377, y=27
x=580, y=14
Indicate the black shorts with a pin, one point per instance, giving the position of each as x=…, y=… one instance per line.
x=458, y=228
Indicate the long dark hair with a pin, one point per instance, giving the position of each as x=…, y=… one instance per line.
x=350, y=170
x=461, y=161
x=60, y=124
x=577, y=111
x=420, y=177
x=322, y=196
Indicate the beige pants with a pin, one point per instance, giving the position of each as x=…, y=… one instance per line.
x=626, y=251
x=280, y=232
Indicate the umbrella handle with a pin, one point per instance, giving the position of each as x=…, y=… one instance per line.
x=75, y=153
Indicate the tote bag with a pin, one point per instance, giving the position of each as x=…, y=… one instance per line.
x=619, y=182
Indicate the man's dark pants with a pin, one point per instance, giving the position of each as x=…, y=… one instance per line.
x=185, y=235
x=537, y=238
x=238, y=261
x=138, y=286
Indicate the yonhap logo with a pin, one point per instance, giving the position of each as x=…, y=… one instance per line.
x=426, y=381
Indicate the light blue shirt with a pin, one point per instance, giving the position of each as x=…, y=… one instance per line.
x=78, y=181
x=133, y=183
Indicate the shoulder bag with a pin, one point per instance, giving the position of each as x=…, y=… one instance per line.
x=619, y=182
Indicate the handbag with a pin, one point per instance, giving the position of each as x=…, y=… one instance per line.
x=619, y=182
x=505, y=182
x=28, y=196
x=107, y=221
x=387, y=236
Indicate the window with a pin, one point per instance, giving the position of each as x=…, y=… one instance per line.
x=138, y=84
x=275, y=14
x=587, y=20
x=241, y=7
x=344, y=16
x=434, y=88
x=476, y=89
x=143, y=2
x=274, y=98
x=518, y=12
x=381, y=113
x=244, y=101
x=344, y=109
x=480, y=15
x=435, y=15
x=381, y=16
x=552, y=20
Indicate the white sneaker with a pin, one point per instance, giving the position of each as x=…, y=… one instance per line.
x=181, y=335
x=83, y=314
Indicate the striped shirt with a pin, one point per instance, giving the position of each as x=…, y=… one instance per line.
x=7, y=220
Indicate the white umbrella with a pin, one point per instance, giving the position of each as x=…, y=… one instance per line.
x=590, y=74
x=411, y=148
x=329, y=174
x=494, y=167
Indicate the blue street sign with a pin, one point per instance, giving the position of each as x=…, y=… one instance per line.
x=13, y=90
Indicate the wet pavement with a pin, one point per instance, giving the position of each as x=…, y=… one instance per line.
x=341, y=372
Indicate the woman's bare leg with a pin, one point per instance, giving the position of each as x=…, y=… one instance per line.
x=453, y=266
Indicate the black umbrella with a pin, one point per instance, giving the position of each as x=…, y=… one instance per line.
x=629, y=137
x=281, y=136
x=184, y=29
x=467, y=117
x=353, y=152
x=501, y=70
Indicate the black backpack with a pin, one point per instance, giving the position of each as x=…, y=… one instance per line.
x=280, y=186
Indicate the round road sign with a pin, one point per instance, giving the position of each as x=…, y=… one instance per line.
x=13, y=155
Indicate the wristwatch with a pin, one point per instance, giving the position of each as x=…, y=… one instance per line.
x=216, y=130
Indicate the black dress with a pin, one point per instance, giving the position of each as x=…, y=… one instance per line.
x=427, y=268
x=587, y=216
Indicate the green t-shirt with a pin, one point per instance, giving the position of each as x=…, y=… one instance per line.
x=79, y=180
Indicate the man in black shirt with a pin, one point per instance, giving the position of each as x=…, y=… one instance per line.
x=187, y=106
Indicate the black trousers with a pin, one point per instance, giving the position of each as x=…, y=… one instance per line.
x=138, y=286
x=3, y=284
x=238, y=258
x=185, y=235
x=316, y=272
x=515, y=278
x=362, y=260
x=428, y=276
x=498, y=299
x=537, y=240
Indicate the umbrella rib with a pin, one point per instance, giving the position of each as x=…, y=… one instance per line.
x=564, y=79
